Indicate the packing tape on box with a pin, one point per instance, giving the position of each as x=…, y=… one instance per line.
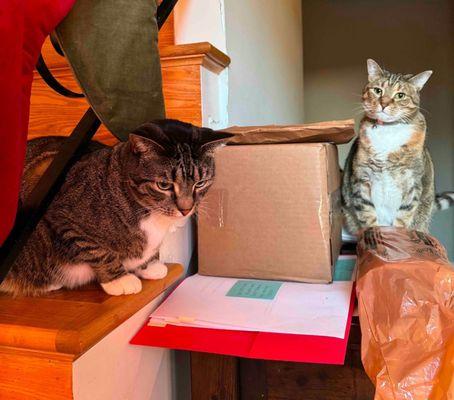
x=215, y=204
x=335, y=214
x=335, y=222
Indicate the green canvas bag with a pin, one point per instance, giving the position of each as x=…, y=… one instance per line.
x=112, y=48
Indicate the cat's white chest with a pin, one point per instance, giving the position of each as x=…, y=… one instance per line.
x=386, y=139
x=386, y=195
x=154, y=227
x=386, y=191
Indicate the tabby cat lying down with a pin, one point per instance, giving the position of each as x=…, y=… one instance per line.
x=107, y=222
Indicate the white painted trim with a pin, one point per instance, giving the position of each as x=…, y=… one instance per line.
x=204, y=21
x=115, y=370
x=215, y=96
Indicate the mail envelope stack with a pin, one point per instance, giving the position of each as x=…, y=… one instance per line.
x=274, y=210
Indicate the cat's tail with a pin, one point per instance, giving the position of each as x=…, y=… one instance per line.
x=444, y=201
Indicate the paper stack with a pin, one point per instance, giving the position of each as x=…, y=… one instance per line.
x=257, y=305
x=258, y=319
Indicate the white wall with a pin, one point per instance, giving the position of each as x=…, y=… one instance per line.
x=264, y=41
x=113, y=369
x=200, y=21
x=203, y=21
x=264, y=82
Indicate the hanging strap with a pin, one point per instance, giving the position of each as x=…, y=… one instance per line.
x=47, y=76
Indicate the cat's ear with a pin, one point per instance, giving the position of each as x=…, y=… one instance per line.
x=420, y=80
x=147, y=137
x=142, y=145
x=210, y=139
x=373, y=70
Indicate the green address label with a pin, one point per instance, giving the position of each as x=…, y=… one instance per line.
x=265, y=290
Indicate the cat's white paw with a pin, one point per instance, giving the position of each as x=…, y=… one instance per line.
x=126, y=284
x=154, y=270
x=55, y=286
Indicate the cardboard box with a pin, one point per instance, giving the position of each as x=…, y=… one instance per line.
x=273, y=213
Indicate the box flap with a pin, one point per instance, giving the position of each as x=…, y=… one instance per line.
x=338, y=132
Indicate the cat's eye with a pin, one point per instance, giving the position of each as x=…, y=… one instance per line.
x=200, y=184
x=164, y=185
x=400, y=95
x=378, y=91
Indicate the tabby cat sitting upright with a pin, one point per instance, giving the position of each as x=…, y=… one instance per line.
x=107, y=222
x=388, y=177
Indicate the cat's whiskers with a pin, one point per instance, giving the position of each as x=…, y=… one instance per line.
x=206, y=206
x=204, y=209
x=138, y=215
x=358, y=105
x=201, y=208
x=358, y=113
x=200, y=212
x=358, y=109
x=423, y=109
x=407, y=117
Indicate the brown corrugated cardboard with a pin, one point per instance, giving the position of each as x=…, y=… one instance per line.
x=272, y=213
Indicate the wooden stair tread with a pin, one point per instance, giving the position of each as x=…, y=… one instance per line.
x=71, y=322
x=212, y=58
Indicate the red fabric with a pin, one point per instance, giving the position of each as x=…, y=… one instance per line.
x=24, y=24
x=258, y=345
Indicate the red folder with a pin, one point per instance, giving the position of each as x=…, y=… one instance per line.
x=258, y=345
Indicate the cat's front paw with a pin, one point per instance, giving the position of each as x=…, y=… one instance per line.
x=126, y=284
x=154, y=270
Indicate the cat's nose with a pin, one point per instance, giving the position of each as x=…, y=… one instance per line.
x=185, y=211
x=384, y=102
x=185, y=205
